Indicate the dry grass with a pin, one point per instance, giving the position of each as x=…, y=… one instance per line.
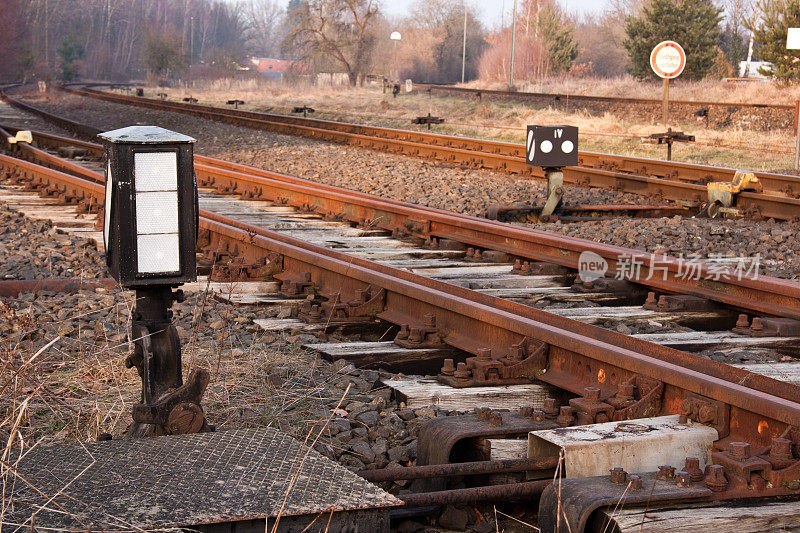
x=736, y=147
x=627, y=86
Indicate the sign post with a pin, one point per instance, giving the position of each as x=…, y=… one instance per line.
x=668, y=61
x=793, y=43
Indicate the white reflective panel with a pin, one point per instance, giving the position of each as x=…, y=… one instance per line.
x=155, y=171
x=156, y=212
x=107, y=207
x=158, y=254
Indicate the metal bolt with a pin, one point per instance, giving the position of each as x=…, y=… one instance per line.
x=484, y=354
x=448, y=368
x=550, y=407
x=592, y=394
x=706, y=414
x=666, y=472
x=662, y=300
x=684, y=479
x=315, y=312
x=526, y=411
x=757, y=324
x=415, y=335
x=781, y=449
x=403, y=333
x=461, y=373
x=692, y=466
x=687, y=407
x=483, y=413
x=429, y=321
x=715, y=478
x=470, y=252
x=539, y=416
x=517, y=265
x=742, y=321
x=565, y=417
x=739, y=450
x=496, y=418
x=651, y=298
x=634, y=482
x=618, y=475
x=625, y=391
x=683, y=419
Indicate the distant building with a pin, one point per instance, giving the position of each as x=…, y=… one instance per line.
x=277, y=69
x=754, y=67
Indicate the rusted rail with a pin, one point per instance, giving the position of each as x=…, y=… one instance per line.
x=681, y=182
x=561, y=98
x=501, y=466
x=765, y=295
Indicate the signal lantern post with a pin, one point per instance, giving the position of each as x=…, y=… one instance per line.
x=668, y=61
x=552, y=148
x=150, y=233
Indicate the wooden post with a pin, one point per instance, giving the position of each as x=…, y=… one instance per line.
x=665, y=103
x=797, y=135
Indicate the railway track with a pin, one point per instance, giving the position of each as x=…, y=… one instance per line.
x=556, y=98
x=347, y=275
x=686, y=184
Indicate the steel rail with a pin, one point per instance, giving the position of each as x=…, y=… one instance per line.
x=522, y=95
x=681, y=182
x=766, y=295
x=473, y=468
x=760, y=407
x=502, y=156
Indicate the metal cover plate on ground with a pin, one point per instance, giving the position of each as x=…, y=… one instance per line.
x=179, y=481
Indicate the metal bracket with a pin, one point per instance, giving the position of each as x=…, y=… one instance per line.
x=555, y=192
x=363, y=307
x=722, y=195
x=522, y=364
x=567, y=504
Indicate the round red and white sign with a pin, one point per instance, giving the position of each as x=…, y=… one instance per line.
x=668, y=59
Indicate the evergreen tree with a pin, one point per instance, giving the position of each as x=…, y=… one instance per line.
x=70, y=53
x=694, y=24
x=769, y=38
x=558, y=35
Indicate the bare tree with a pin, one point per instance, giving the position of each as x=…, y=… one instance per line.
x=264, y=20
x=336, y=32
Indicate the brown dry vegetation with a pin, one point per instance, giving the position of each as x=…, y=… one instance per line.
x=739, y=145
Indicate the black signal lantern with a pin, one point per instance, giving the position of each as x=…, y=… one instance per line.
x=151, y=218
x=151, y=207
x=552, y=148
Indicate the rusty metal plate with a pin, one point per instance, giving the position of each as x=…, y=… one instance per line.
x=179, y=481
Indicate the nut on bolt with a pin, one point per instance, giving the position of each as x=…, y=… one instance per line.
x=495, y=418
x=484, y=354
x=692, y=467
x=739, y=451
x=715, y=478
x=592, y=394
x=449, y=368
x=684, y=479
x=781, y=449
x=483, y=413
x=565, y=417
x=666, y=472
x=550, y=407
x=461, y=373
x=539, y=416
x=618, y=475
x=526, y=411
x=634, y=482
